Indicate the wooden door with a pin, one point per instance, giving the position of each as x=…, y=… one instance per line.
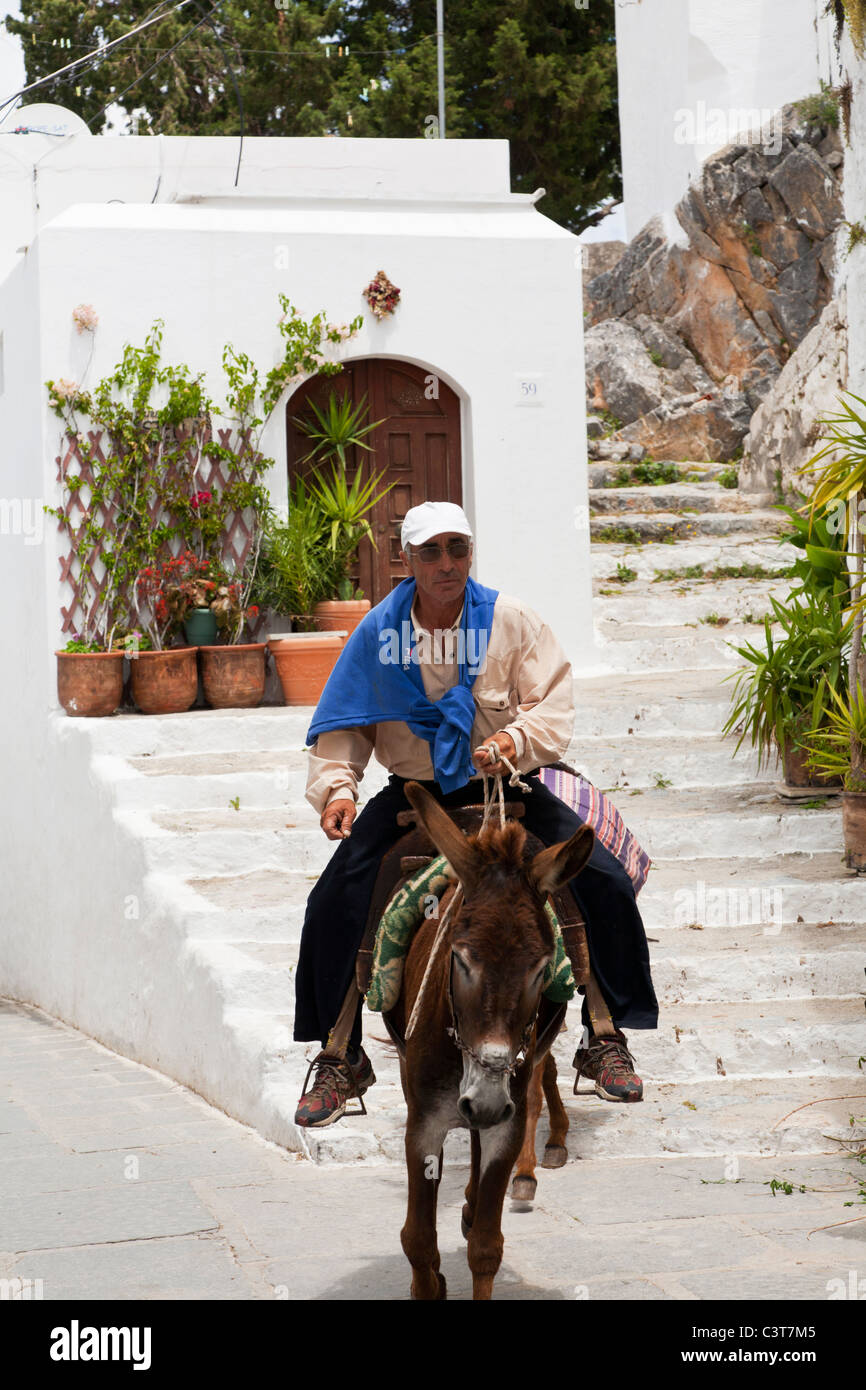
x=418, y=445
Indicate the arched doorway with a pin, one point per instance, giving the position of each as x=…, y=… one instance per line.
x=418, y=445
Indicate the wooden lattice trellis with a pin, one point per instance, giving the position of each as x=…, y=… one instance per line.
x=208, y=476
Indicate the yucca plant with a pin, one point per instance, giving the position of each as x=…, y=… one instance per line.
x=784, y=688
x=344, y=506
x=336, y=429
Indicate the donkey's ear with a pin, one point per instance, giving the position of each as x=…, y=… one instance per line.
x=553, y=867
x=447, y=838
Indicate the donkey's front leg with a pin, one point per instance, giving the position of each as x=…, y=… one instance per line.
x=524, y=1185
x=500, y=1146
x=418, y=1236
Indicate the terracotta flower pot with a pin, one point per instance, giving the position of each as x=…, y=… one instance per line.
x=304, y=661
x=165, y=682
x=797, y=774
x=340, y=615
x=854, y=829
x=233, y=677
x=89, y=683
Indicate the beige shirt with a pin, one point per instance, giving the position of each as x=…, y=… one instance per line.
x=524, y=690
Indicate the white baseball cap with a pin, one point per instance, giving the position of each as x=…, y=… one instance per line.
x=433, y=519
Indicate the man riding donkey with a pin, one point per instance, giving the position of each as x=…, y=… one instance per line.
x=442, y=679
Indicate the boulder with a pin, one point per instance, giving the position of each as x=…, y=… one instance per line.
x=784, y=430
x=703, y=429
x=598, y=257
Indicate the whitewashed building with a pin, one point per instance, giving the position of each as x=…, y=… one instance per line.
x=101, y=925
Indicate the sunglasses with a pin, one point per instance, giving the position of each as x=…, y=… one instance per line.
x=429, y=554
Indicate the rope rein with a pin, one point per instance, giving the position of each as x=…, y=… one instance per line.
x=493, y=755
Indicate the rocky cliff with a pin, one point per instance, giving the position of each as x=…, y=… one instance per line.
x=686, y=336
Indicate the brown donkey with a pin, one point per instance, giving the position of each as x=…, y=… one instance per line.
x=469, y=1060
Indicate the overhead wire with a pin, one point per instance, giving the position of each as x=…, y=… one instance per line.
x=118, y=96
x=94, y=55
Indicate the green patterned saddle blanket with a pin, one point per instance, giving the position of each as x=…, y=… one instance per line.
x=419, y=898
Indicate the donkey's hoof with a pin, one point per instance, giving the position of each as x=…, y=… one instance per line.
x=523, y=1190
x=466, y=1222
x=555, y=1156
x=442, y=1294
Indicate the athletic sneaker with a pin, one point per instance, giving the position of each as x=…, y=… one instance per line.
x=608, y=1062
x=337, y=1081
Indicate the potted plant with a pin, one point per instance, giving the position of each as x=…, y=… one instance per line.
x=840, y=491
x=782, y=692
x=344, y=506
x=296, y=569
x=144, y=475
x=164, y=678
x=89, y=678
x=233, y=672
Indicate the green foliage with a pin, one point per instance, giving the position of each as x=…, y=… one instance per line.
x=782, y=1185
x=660, y=782
x=297, y=569
x=75, y=646
x=651, y=473
x=624, y=574
x=714, y=620
x=821, y=109
x=856, y=235
x=144, y=502
x=336, y=429
x=656, y=358
x=822, y=543
x=729, y=477
x=750, y=237
x=785, y=686
x=837, y=747
x=541, y=76
x=620, y=535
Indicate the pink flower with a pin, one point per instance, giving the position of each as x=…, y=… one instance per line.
x=200, y=499
x=85, y=319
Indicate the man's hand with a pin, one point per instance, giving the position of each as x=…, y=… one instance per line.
x=337, y=819
x=505, y=743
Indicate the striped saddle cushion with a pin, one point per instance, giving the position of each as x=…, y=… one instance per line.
x=597, y=810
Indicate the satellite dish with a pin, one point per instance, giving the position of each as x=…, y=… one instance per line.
x=43, y=118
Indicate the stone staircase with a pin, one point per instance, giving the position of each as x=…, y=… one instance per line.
x=756, y=928
x=694, y=505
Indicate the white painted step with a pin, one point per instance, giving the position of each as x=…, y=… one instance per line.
x=705, y=551
x=718, y=894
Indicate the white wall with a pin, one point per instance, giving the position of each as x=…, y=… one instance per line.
x=490, y=297
x=680, y=60
x=853, y=266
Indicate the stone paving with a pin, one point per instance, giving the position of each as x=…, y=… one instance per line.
x=116, y=1183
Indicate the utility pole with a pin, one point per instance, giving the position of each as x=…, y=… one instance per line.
x=440, y=63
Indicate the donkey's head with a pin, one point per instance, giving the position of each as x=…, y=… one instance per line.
x=501, y=945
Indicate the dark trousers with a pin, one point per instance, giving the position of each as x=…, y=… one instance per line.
x=337, y=910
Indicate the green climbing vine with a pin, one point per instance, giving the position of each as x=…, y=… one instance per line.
x=137, y=487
